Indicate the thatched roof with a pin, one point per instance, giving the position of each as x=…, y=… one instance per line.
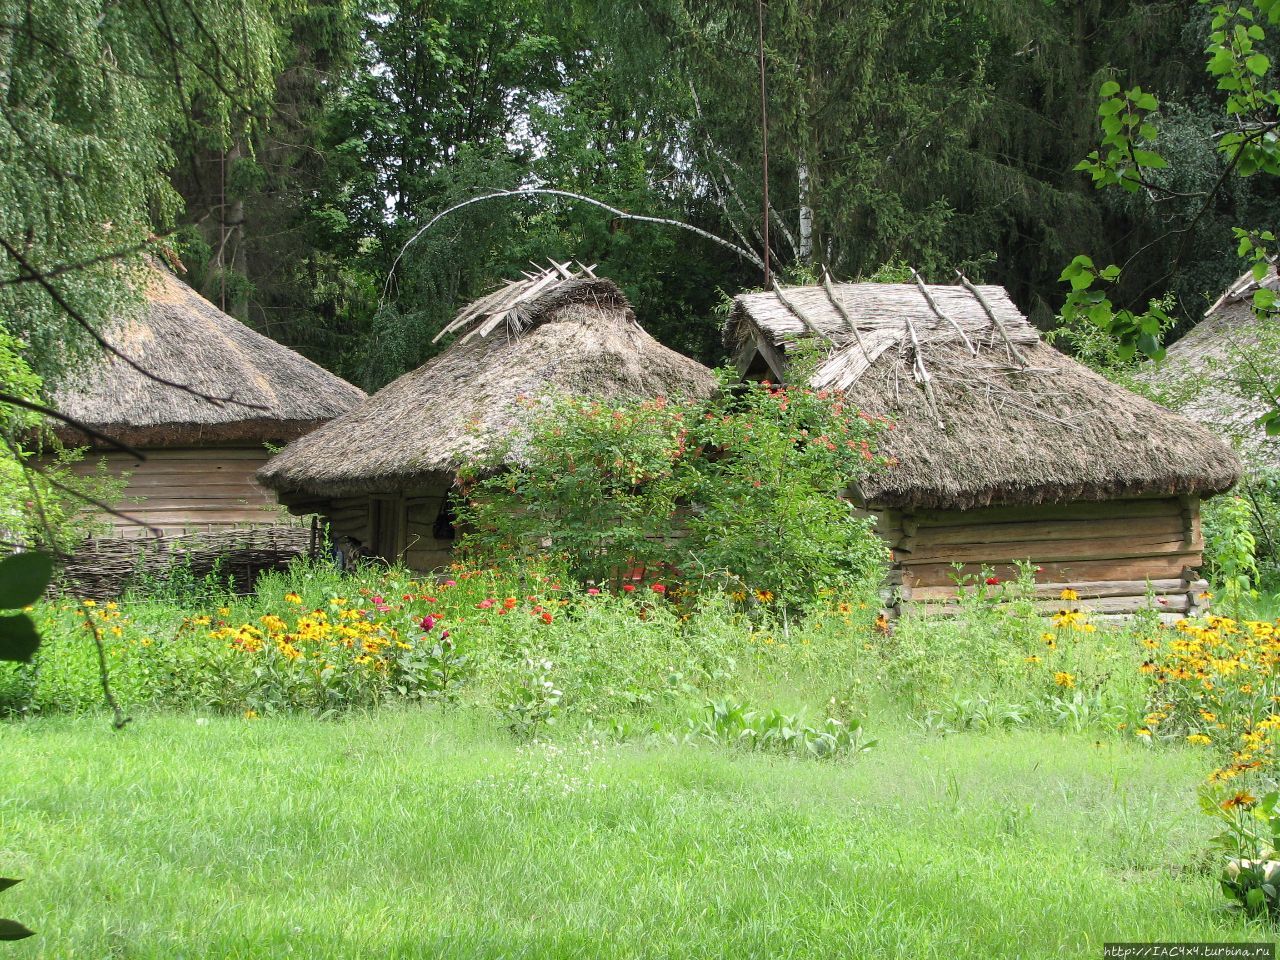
x=558, y=331
x=275, y=394
x=1205, y=374
x=983, y=411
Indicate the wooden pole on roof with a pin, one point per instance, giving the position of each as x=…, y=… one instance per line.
x=764, y=140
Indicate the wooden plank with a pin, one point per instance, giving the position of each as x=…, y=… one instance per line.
x=1166, y=566
x=1076, y=510
x=1173, y=603
x=1090, y=589
x=1048, y=530
x=1041, y=551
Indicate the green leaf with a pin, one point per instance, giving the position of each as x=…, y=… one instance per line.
x=7, y=882
x=1109, y=89
x=1257, y=64
x=1149, y=158
x=23, y=577
x=13, y=930
x=18, y=638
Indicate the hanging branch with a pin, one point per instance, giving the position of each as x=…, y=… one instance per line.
x=933, y=305
x=72, y=422
x=31, y=273
x=530, y=192
x=995, y=321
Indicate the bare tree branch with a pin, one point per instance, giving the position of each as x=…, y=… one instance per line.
x=530, y=192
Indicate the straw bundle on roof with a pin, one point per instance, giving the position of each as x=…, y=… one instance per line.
x=276, y=394
x=984, y=412
x=1208, y=370
x=556, y=331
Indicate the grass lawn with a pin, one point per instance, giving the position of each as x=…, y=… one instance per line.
x=405, y=834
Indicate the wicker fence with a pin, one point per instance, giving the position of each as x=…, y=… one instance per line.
x=103, y=567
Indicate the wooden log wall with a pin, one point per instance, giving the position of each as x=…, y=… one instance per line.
x=189, y=490
x=1106, y=551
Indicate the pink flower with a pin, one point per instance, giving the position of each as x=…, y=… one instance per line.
x=451, y=583
x=593, y=592
x=427, y=622
x=484, y=604
x=444, y=635
x=378, y=600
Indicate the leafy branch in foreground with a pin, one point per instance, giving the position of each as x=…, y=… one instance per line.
x=1127, y=157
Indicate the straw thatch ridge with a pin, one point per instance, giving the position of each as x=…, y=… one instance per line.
x=1201, y=372
x=1005, y=417
x=184, y=338
x=580, y=338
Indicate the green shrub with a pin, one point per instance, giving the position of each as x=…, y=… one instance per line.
x=742, y=490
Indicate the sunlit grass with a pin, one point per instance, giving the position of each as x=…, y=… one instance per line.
x=405, y=834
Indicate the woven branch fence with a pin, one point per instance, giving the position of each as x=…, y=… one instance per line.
x=103, y=567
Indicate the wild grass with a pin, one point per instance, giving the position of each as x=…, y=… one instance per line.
x=1007, y=810
x=421, y=833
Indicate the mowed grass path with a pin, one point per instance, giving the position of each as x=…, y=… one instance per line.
x=407, y=835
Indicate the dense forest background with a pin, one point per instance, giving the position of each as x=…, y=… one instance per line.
x=286, y=152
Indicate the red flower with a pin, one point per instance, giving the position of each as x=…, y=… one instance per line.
x=629, y=587
x=546, y=618
x=658, y=588
x=992, y=581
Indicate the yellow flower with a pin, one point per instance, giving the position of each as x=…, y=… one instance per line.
x=1151, y=644
x=1199, y=739
x=1064, y=679
x=1142, y=732
x=764, y=596
x=1032, y=659
x=251, y=714
x=90, y=603
x=292, y=597
x=1208, y=717
x=116, y=632
x=111, y=605
x=224, y=611
x=1069, y=594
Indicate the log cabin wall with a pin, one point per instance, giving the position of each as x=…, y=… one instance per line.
x=189, y=490
x=1106, y=551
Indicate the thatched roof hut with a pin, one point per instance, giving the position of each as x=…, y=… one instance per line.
x=574, y=334
x=993, y=430
x=1206, y=374
x=200, y=454
x=273, y=394
x=558, y=330
x=1011, y=420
